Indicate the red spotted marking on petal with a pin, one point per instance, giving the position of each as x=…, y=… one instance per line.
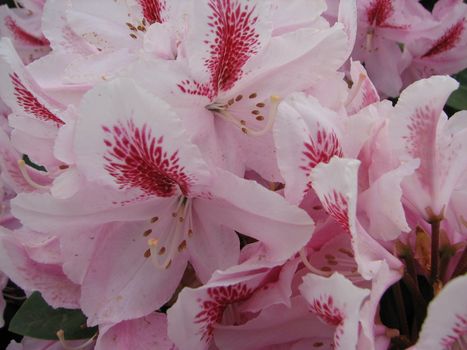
x=336, y=205
x=325, y=309
x=213, y=307
x=448, y=41
x=21, y=35
x=320, y=149
x=136, y=159
x=231, y=41
x=420, y=143
x=459, y=330
x=153, y=10
x=378, y=13
x=194, y=88
x=29, y=102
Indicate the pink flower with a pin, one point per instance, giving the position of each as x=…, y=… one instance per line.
x=23, y=26
x=419, y=129
x=148, y=202
x=146, y=333
x=444, y=51
x=446, y=324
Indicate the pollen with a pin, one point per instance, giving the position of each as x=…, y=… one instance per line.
x=152, y=242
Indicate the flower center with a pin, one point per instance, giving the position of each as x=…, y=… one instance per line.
x=258, y=124
x=175, y=233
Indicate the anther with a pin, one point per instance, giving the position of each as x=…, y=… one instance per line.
x=253, y=95
x=147, y=233
x=161, y=251
x=154, y=219
x=260, y=105
x=31, y=182
x=238, y=98
x=355, y=89
x=168, y=264
x=244, y=130
x=255, y=112
x=260, y=118
x=63, y=167
x=180, y=218
x=242, y=122
x=147, y=253
x=182, y=246
x=190, y=232
x=130, y=26
x=133, y=36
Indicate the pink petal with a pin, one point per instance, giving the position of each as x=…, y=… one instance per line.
x=257, y=212
x=336, y=301
x=134, y=126
x=446, y=322
x=146, y=333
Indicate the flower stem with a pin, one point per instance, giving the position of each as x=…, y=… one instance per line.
x=435, y=228
x=401, y=309
x=461, y=267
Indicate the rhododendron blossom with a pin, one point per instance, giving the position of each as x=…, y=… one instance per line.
x=229, y=174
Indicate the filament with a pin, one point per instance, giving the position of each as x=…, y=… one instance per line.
x=310, y=267
x=355, y=89
x=225, y=114
x=66, y=346
x=27, y=178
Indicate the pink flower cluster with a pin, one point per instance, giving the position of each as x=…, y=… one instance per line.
x=223, y=174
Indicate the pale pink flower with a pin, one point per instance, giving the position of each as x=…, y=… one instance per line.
x=419, y=129
x=23, y=26
x=445, y=50
x=240, y=81
x=382, y=26
x=153, y=200
x=446, y=324
x=336, y=302
x=146, y=333
x=230, y=298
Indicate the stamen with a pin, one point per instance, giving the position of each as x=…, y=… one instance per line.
x=163, y=252
x=310, y=267
x=63, y=342
x=369, y=40
x=31, y=182
x=275, y=100
x=355, y=89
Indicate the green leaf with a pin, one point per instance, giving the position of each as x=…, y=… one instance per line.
x=37, y=319
x=458, y=99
